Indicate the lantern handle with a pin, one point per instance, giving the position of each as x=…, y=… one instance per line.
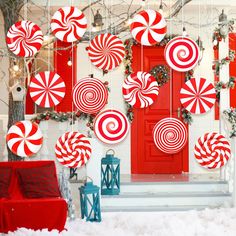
x=111, y=150
x=85, y=179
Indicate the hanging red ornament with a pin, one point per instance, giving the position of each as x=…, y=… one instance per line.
x=212, y=150
x=140, y=89
x=24, y=138
x=148, y=27
x=24, y=38
x=198, y=95
x=68, y=24
x=182, y=53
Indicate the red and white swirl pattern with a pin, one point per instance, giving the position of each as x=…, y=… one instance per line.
x=170, y=135
x=47, y=89
x=90, y=95
x=68, y=24
x=148, y=27
x=212, y=150
x=24, y=138
x=24, y=38
x=198, y=95
x=182, y=54
x=73, y=149
x=111, y=126
x=106, y=51
x=140, y=89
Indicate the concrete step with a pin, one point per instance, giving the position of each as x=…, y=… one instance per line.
x=170, y=187
x=211, y=199
x=152, y=208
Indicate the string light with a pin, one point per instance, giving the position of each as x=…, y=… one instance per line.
x=143, y=3
x=129, y=21
x=69, y=63
x=215, y=42
x=161, y=8
x=184, y=31
x=15, y=67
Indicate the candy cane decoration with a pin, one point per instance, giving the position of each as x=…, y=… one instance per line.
x=73, y=149
x=90, y=95
x=47, y=89
x=24, y=138
x=182, y=54
x=111, y=126
x=24, y=38
x=69, y=24
x=198, y=95
x=140, y=89
x=148, y=27
x=170, y=135
x=106, y=51
x=212, y=150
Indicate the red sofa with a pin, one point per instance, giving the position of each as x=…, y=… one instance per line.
x=37, y=213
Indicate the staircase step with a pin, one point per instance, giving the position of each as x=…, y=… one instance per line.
x=152, y=208
x=167, y=199
x=170, y=187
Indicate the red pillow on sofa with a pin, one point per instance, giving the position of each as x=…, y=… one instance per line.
x=5, y=180
x=38, y=182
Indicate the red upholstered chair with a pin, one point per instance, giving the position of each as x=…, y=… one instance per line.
x=33, y=213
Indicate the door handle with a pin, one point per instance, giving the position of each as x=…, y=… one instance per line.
x=179, y=112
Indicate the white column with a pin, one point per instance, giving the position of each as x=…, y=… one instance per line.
x=93, y=167
x=4, y=129
x=44, y=153
x=224, y=94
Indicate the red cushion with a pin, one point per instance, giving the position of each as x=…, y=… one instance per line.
x=5, y=180
x=38, y=182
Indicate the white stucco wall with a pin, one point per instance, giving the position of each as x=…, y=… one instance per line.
x=202, y=123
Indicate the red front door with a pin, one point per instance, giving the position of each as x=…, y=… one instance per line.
x=145, y=157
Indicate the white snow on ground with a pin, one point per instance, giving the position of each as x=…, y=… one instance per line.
x=221, y=222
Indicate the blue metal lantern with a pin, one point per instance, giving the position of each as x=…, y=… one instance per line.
x=110, y=171
x=90, y=202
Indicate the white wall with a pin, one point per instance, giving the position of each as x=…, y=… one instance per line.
x=202, y=123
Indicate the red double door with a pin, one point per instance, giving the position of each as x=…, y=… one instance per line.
x=145, y=156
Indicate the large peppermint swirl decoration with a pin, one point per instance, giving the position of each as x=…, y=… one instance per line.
x=90, y=95
x=182, y=54
x=24, y=138
x=212, y=150
x=47, y=89
x=111, y=126
x=68, y=24
x=148, y=27
x=170, y=135
x=73, y=149
x=24, y=38
x=140, y=89
x=106, y=51
x=198, y=95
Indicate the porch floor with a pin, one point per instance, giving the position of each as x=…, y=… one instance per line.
x=133, y=178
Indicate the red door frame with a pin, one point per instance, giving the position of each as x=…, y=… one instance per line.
x=134, y=132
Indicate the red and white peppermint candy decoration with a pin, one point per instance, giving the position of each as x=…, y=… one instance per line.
x=182, y=53
x=68, y=24
x=198, y=95
x=73, y=149
x=24, y=38
x=212, y=150
x=170, y=135
x=148, y=27
x=111, y=126
x=90, y=95
x=24, y=138
x=140, y=89
x=106, y=51
x=47, y=89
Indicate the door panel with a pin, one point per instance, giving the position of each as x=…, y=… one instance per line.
x=145, y=157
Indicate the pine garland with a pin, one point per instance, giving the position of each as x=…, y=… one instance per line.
x=230, y=115
x=220, y=85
